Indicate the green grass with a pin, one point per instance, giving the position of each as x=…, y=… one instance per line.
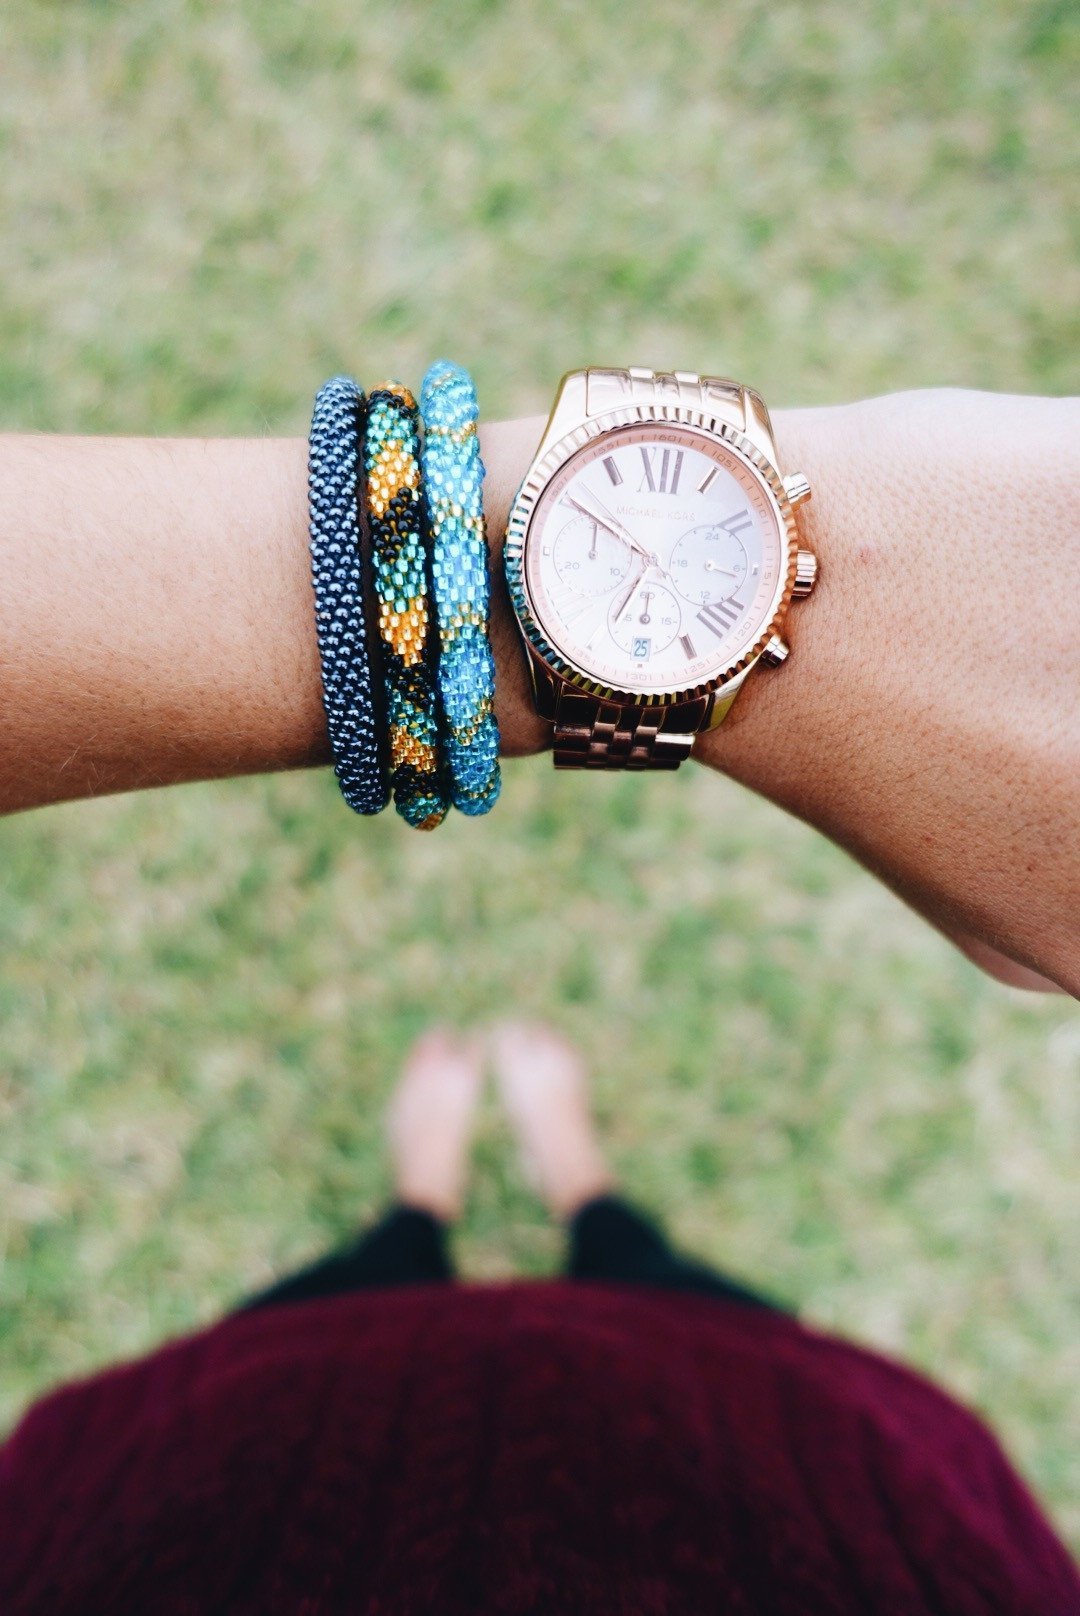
x=205, y=209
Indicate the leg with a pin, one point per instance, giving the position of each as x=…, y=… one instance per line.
x=611, y=1240
x=542, y=1081
x=429, y=1127
x=406, y=1247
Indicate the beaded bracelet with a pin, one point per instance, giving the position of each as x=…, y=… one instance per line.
x=453, y=479
x=396, y=517
x=333, y=452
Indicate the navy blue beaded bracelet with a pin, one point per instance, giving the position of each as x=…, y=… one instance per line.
x=336, y=573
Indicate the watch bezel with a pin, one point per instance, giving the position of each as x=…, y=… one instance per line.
x=546, y=466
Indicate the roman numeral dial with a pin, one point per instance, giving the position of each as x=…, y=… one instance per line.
x=652, y=550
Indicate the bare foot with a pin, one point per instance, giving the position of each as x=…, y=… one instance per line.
x=542, y=1082
x=430, y=1120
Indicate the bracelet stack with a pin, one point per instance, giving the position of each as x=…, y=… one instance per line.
x=409, y=686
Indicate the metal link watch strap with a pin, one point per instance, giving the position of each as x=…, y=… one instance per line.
x=595, y=734
x=608, y=389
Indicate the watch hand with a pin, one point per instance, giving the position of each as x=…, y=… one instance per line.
x=584, y=500
x=710, y=566
x=628, y=597
x=595, y=533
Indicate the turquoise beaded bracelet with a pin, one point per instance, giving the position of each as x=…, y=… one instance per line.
x=391, y=452
x=452, y=481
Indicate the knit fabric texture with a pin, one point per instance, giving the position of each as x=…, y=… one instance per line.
x=555, y=1448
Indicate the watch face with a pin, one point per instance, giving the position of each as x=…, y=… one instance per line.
x=654, y=558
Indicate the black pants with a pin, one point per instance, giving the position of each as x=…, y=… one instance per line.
x=608, y=1240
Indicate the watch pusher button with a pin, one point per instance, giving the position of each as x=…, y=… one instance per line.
x=797, y=488
x=805, y=574
x=775, y=652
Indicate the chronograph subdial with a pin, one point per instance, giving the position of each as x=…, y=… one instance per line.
x=646, y=620
x=588, y=558
x=708, y=563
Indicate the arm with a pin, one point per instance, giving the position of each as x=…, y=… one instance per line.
x=156, y=626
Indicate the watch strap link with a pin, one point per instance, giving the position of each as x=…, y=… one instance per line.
x=607, y=390
x=595, y=734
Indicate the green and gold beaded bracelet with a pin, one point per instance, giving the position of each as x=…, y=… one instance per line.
x=397, y=519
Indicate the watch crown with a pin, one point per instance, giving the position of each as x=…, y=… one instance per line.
x=775, y=652
x=805, y=574
x=797, y=488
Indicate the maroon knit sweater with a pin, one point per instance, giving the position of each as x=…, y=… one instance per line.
x=533, y=1448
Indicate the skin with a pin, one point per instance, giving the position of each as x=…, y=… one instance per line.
x=431, y=1120
x=156, y=626
x=543, y=1087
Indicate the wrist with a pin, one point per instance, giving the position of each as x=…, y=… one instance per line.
x=757, y=741
x=507, y=449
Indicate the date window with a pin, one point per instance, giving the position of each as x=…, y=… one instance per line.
x=641, y=650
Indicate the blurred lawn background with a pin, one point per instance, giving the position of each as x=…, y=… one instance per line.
x=206, y=209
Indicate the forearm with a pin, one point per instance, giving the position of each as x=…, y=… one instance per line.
x=157, y=618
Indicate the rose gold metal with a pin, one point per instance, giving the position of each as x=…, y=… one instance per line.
x=758, y=427
x=598, y=726
x=805, y=574
x=601, y=735
x=777, y=651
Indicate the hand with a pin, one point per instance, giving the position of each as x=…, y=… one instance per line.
x=928, y=718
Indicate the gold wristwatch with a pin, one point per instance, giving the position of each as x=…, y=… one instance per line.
x=652, y=555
